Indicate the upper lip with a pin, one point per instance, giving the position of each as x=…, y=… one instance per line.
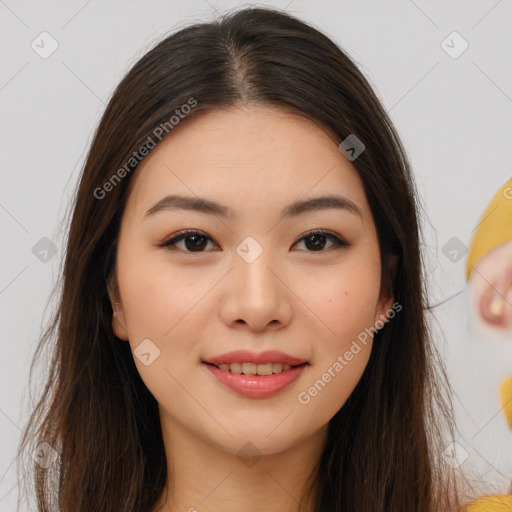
x=245, y=356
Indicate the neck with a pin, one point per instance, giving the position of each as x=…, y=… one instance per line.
x=203, y=477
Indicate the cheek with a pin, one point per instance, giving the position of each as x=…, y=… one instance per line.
x=169, y=307
x=345, y=302
x=346, y=311
x=160, y=299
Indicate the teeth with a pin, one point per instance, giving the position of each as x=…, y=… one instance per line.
x=277, y=367
x=235, y=368
x=251, y=368
x=254, y=369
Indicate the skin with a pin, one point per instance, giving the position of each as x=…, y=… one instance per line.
x=307, y=302
x=491, y=288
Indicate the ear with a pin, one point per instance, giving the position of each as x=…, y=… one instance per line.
x=118, y=314
x=386, y=297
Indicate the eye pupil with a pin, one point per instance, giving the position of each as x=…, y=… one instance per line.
x=195, y=245
x=317, y=244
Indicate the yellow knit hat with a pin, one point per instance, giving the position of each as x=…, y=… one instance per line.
x=494, y=228
x=506, y=400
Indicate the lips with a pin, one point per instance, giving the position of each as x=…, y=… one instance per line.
x=245, y=356
x=256, y=386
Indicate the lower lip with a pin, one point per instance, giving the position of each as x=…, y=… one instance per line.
x=257, y=386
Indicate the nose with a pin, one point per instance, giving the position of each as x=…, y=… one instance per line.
x=258, y=294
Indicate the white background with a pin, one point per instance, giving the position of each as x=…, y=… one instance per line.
x=454, y=117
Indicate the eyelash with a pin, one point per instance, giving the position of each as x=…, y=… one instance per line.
x=171, y=243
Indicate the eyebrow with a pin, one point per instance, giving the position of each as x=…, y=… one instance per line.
x=210, y=207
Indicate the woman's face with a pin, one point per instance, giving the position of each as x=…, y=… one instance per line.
x=252, y=279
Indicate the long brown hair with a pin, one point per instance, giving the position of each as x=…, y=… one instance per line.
x=383, y=450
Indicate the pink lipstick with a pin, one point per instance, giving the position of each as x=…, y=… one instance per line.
x=256, y=375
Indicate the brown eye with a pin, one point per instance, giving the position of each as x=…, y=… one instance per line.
x=316, y=241
x=194, y=241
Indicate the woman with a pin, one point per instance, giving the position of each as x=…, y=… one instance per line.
x=244, y=191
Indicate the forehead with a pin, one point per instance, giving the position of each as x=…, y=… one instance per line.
x=253, y=156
